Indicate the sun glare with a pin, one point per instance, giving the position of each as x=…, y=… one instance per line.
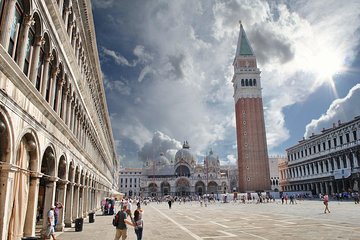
x=325, y=65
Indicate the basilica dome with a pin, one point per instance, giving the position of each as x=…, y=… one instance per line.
x=185, y=155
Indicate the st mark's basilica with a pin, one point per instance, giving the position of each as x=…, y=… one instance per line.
x=184, y=176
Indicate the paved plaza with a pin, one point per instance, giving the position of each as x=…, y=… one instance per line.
x=268, y=221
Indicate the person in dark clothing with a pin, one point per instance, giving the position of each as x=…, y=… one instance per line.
x=121, y=228
x=169, y=202
x=138, y=220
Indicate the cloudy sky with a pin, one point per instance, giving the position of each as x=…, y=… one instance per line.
x=167, y=68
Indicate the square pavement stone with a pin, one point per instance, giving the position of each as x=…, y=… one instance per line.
x=266, y=221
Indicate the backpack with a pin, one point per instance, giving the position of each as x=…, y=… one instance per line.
x=115, y=220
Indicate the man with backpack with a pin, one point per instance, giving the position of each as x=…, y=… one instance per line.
x=120, y=221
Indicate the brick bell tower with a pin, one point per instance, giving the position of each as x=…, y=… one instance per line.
x=253, y=163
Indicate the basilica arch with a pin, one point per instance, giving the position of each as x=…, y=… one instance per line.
x=153, y=188
x=182, y=171
x=182, y=187
x=165, y=188
x=212, y=187
x=200, y=188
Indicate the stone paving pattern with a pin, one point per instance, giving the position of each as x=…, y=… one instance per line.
x=304, y=220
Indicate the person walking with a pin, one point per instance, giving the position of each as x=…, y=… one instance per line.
x=138, y=220
x=326, y=203
x=51, y=223
x=58, y=206
x=120, y=224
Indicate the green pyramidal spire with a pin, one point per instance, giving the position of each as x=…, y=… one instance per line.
x=243, y=46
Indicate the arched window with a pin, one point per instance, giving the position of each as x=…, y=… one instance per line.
x=254, y=83
x=246, y=82
x=250, y=82
x=15, y=28
x=242, y=82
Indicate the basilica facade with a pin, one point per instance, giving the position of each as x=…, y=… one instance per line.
x=184, y=176
x=56, y=142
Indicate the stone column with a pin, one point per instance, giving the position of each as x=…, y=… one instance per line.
x=321, y=187
x=31, y=211
x=64, y=106
x=329, y=165
x=319, y=167
x=317, y=188
x=61, y=3
x=70, y=111
x=53, y=82
x=6, y=23
x=39, y=41
x=341, y=162
x=86, y=201
x=69, y=205
x=331, y=188
x=66, y=16
x=81, y=200
x=45, y=74
x=356, y=163
x=327, y=188
x=347, y=159
x=76, y=202
x=71, y=30
x=74, y=119
x=59, y=99
x=7, y=175
x=61, y=198
x=23, y=38
x=49, y=198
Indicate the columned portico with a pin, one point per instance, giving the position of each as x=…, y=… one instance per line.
x=62, y=186
x=49, y=197
x=69, y=205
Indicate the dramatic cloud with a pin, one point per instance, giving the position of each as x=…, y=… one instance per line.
x=160, y=143
x=343, y=110
x=169, y=64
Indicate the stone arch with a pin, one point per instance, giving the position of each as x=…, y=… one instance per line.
x=182, y=170
x=6, y=137
x=24, y=188
x=47, y=43
x=212, y=187
x=48, y=163
x=200, y=188
x=62, y=172
x=6, y=158
x=153, y=189
x=182, y=187
x=165, y=188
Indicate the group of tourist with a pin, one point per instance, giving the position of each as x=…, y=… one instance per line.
x=125, y=217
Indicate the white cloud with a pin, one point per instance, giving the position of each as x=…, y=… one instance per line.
x=160, y=143
x=343, y=110
x=117, y=57
x=187, y=63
